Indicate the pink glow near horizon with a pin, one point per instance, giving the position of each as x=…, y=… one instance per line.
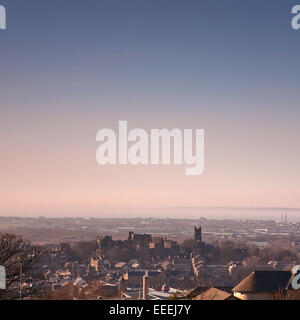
x=48, y=165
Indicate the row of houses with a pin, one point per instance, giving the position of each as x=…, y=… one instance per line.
x=259, y=285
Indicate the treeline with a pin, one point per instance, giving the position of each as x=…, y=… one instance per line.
x=224, y=251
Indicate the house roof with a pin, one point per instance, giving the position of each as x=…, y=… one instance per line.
x=264, y=281
x=214, y=294
x=198, y=290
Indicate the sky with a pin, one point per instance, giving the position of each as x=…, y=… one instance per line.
x=69, y=68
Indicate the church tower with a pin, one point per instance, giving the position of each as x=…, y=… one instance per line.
x=197, y=234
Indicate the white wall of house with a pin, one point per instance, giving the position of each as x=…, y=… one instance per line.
x=254, y=296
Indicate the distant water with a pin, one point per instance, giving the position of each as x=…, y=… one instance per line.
x=293, y=214
x=266, y=213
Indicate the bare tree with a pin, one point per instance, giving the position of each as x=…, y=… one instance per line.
x=16, y=254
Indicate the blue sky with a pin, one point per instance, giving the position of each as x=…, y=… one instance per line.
x=237, y=49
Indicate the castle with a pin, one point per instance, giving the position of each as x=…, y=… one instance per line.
x=142, y=246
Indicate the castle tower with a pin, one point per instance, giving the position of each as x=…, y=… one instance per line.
x=198, y=234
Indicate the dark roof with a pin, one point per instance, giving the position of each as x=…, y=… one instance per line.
x=196, y=291
x=215, y=294
x=264, y=281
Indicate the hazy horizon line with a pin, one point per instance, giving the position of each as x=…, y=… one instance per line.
x=266, y=208
x=169, y=212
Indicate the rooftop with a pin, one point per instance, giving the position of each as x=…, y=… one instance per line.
x=264, y=281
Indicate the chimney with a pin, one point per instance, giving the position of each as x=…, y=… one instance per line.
x=145, y=286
